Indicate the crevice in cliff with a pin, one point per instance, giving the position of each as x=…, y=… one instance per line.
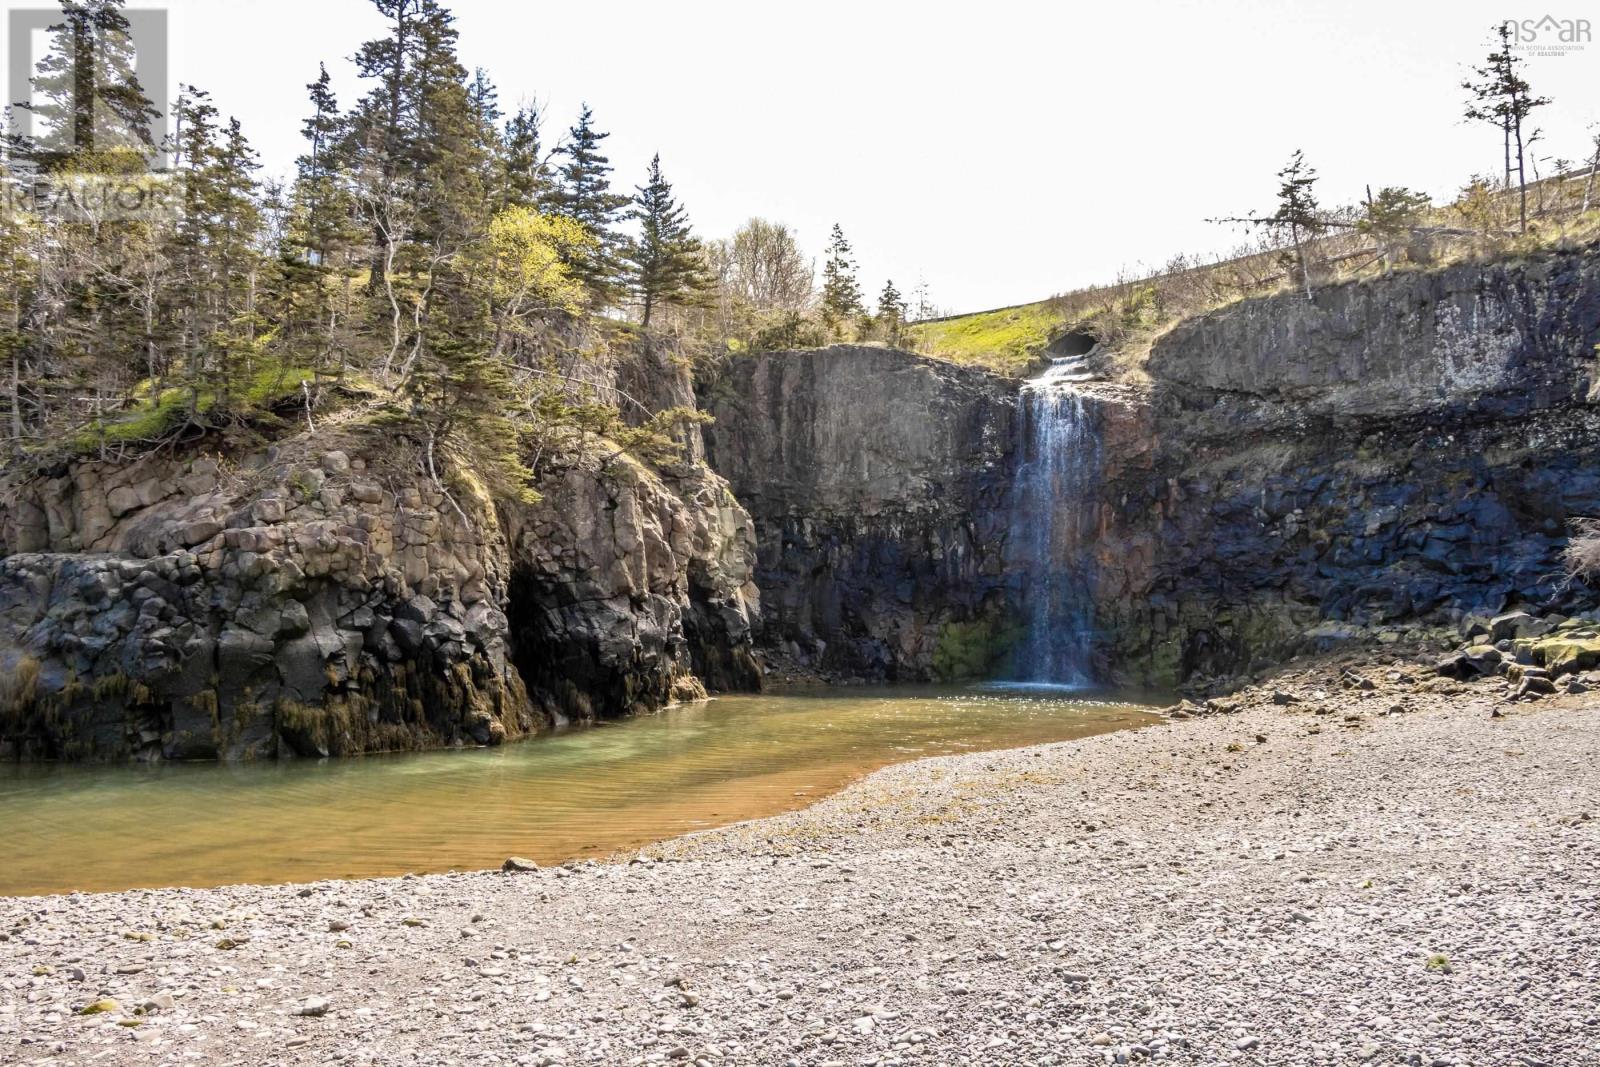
x=550, y=672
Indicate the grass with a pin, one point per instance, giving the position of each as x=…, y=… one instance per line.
x=1011, y=340
x=1127, y=316
x=154, y=414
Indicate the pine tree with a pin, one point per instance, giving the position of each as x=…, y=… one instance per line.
x=668, y=263
x=841, y=293
x=1297, y=210
x=583, y=194
x=1503, y=98
x=93, y=108
x=891, y=312
x=526, y=178
x=323, y=206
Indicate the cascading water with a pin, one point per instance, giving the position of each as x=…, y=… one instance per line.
x=1051, y=514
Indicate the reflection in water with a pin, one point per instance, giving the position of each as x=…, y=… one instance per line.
x=577, y=793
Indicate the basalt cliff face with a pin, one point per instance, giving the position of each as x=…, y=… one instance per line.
x=877, y=481
x=1377, y=463
x=1371, y=464
x=324, y=597
x=1386, y=457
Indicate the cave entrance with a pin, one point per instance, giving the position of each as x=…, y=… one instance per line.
x=1072, y=343
x=543, y=661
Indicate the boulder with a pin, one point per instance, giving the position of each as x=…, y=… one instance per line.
x=1568, y=654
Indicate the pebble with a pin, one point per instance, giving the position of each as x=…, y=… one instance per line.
x=313, y=1007
x=1037, y=940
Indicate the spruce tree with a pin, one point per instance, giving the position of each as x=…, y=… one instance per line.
x=1297, y=210
x=92, y=107
x=583, y=194
x=668, y=263
x=383, y=134
x=322, y=207
x=1502, y=97
x=525, y=181
x=841, y=293
x=891, y=312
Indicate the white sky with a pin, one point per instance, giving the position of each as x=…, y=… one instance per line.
x=1004, y=150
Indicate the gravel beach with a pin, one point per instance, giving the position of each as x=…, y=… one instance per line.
x=1362, y=877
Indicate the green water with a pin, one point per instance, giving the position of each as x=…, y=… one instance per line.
x=582, y=792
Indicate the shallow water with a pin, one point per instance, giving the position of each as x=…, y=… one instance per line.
x=581, y=792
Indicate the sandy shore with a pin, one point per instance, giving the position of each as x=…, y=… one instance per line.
x=1324, y=882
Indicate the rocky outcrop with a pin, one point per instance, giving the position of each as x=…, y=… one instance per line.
x=1392, y=456
x=306, y=602
x=876, y=479
x=630, y=589
x=1378, y=463
x=325, y=597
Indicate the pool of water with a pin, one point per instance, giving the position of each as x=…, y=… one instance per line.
x=581, y=792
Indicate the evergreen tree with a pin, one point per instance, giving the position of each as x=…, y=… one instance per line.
x=891, y=312
x=320, y=235
x=583, y=194
x=668, y=263
x=1502, y=97
x=1390, y=219
x=323, y=206
x=841, y=293
x=93, y=109
x=1297, y=212
x=383, y=135
x=526, y=178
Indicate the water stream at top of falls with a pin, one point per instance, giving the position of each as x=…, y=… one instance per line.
x=1051, y=514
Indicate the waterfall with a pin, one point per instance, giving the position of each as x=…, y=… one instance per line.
x=1059, y=460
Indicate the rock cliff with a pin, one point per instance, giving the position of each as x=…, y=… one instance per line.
x=1376, y=464
x=322, y=596
x=1388, y=457
x=876, y=479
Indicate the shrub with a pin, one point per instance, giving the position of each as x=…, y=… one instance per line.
x=1582, y=554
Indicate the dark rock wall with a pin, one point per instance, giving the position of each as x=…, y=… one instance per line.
x=324, y=597
x=1371, y=464
x=877, y=483
x=1383, y=459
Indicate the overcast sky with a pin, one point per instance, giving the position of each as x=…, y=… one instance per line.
x=1003, y=150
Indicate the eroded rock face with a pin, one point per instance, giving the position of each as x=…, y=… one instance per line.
x=877, y=480
x=1395, y=454
x=326, y=598
x=631, y=589
x=312, y=605
x=1373, y=464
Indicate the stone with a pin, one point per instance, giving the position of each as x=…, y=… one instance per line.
x=312, y=1007
x=1568, y=654
x=1515, y=624
x=103, y=1006
x=1535, y=687
x=159, y=1002
x=514, y=864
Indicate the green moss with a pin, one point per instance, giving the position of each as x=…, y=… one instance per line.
x=973, y=649
x=154, y=414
